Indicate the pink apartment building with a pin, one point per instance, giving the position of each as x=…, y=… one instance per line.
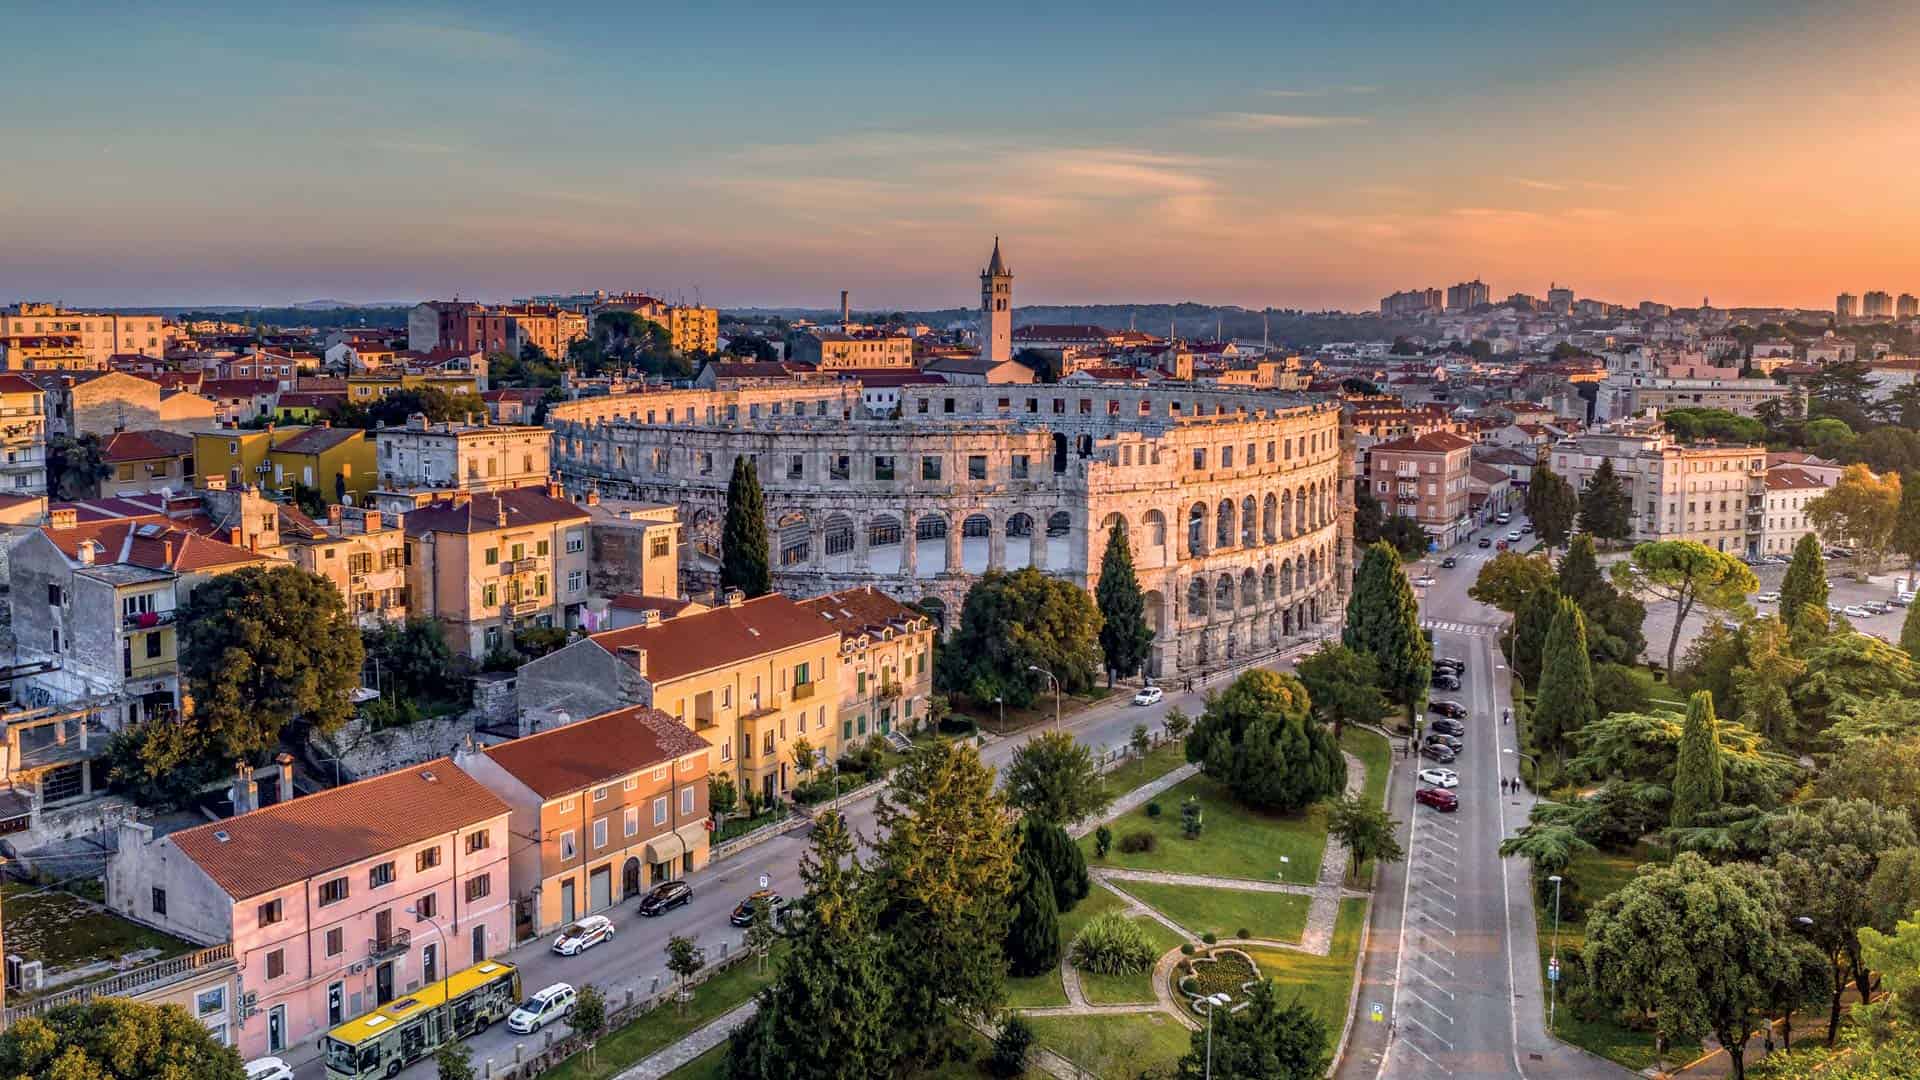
x=1425, y=477
x=336, y=902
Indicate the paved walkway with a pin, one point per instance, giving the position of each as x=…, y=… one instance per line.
x=1138, y=796
x=664, y=1061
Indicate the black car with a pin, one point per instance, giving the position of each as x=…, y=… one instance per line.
x=1451, y=664
x=1449, y=563
x=1440, y=752
x=1486, y=541
x=1444, y=680
x=666, y=897
x=1452, y=710
x=743, y=912
x=1447, y=727
x=1441, y=738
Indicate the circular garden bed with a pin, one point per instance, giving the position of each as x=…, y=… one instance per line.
x=1221, y=971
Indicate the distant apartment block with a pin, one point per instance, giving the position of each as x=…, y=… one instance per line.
x=690, y=329
x=1710, y=493
x=1425, y=477
x=1876, y=304
x=1468, y=295
x=461, y=456
x=1845, y=306
x=93, y=336
x=23, y=437
x=470, y=327
x=1412, y=302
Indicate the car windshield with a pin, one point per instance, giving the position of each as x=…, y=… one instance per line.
x=532, y=1005
x=573, y=930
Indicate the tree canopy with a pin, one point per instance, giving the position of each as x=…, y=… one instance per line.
x=744, y=558
x=1013, y=622
x=1606, y=509
x=1806, y=580
x=1263, y=1041
x=1055, y=778
x=1699, y=777
x=1861, y=508
x=1257, y=737
x=1383, y=623
x=1552, y=505
x=1343, y=686
x=1125, y=637
x=1689, y=575
x=116, y=1039
x=1506, y=580
x=1565, y=704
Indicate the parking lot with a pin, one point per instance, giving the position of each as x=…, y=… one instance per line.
x=1843, y=591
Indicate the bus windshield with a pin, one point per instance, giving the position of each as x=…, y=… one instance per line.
x=340, y=1057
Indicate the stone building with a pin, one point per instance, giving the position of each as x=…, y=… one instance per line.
x=1236, y=501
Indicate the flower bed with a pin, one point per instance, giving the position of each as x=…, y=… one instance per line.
x=1221, y=971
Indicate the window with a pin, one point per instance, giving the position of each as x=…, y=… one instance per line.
x=929, y=468
x=276, y=963
x=478, y=887
x=426, y=907
x=576, y=543
x=600, y=794
x=1226, y=457
x=576, y=580
x=427, y=859
x=490, y=556
x=476, y=841
x=766, y=744
x=159, y=901
x=838, y=468
x=660, y=810
x=542, y=548
x=977, y=467
x=209, y=1002
x=726, y=750
x=1020, y=466
x=600, y=834
x=153, y=645
x=631, y=821
x=272, y=912
x=686, y=802
x=567, y=847
x=883, y=467
x=53, y=595
x=336, y=941
x=380, y=875
x=332, y=892
x=1199, y=457
x=860, y=682
x=660, y=547
x=797, y=467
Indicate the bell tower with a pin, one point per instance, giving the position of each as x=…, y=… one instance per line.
x=996, y=309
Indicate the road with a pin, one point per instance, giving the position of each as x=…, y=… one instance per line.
x=635, y=960
x=1452, y=963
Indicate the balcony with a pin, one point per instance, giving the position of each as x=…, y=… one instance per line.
x=146, y=620
x=520, y=566
x=803, y=691
x=394, y=944
x=524, y=607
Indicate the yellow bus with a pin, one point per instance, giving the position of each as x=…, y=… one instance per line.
x=403, y=1031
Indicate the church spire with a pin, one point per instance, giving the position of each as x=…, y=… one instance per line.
x=995, y=266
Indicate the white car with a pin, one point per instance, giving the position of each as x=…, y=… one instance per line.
x=1440, y=777
x=1513, y=537
x=268, y=1068
x=583, y=935
x=1148, y=695
x=1424, y=582
x=1767, y=598
x=548, y=1004
x=1855, y=611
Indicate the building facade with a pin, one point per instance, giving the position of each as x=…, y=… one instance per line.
x=95, y=336
x=463, y=457
x=489, y=563
x=1426, y=478
x=1789, y=490
x=362, y=551
x=23, y=437
x=1710, y=493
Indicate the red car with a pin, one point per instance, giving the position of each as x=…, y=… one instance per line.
x=1439, y=798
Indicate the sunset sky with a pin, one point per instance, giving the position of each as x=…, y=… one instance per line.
x=1298, y=155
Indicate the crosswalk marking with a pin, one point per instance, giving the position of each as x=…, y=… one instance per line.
x=1459, y=627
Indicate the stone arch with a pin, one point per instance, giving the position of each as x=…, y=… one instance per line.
x=1269, y=581
x=886, y=545
x=976, y=543
x=1152, y=543
x=1156, y=616
x=1286, y=514
x=1202, y=649
x=705, y=531
x=936, y=609
x=1196, y=597
x=1019, y=541
x=1223, y=594
x=1270, y=518
x=1286, y=577
x=1223, y=525
x=1233, y=642
x=1249, y=589
x=1059, y=539
x=836, y=541
x=794, y=538
x=1249, y=522
x=930, y=544
x=1197, y=529
x=1307, y=523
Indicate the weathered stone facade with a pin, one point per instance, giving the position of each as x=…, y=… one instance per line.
x=1235, y=500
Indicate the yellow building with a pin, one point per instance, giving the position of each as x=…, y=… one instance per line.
x=372, y=386
x=363, y=552
x=95, y=336
x=338, y=462
x=886, y=662
x=488, y=564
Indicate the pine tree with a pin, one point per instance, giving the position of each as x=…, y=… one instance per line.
x=1613, y=620
x=1699, y=776
x=1531, y=625
x=1033, y=937
x=1606, y=510
x=825, y=1014
x=1910, y=632
x=1047, y=845
x=743, y=542
x=1125, y=636
x=1806, y=582
x=1383, y=622
x=1906, y=524
x=1565, y=704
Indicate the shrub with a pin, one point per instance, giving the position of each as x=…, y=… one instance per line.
x=861, y=761
x=1009, y=1057
x=1102, y=842
x=1243, y=933
x=1153, y=809
x=959, y=725
x=1209, y=938
x=1113, y=944
x=1136, y=842
x=1186, y=948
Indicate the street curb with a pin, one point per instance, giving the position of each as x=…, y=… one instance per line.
x=1366, y=930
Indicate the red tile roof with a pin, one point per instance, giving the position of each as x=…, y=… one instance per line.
x=716, y=638
x=152, y=542
x=145, y=446
x=14, y=384
x=861, y=611
x=1431, y=442
x=566, y=759
x=238, y=387
x=317, y=440
x=482, y=513
x=300, y=839
x=1788, y=478
x=667, y=606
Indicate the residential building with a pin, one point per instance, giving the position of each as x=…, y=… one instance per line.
x=1425, y=477
x=608, y=807
x=336, y=462
x=335, y=903
x=51, y=352
x=241, y=400
x=1516, y=462
x=1825, y=470
x=489, y=563
x=1411, y=303
x=836, y=350
x=635, y=547
x=462, y=457
x=1907, y=306
x=1844, y=305
x=1876, y=305
x=1490, y=490
x=1831, y=350
x=101, y=403
x=470, y=327
x=452, y=378
x=1710, y=493
x=749, y=677
x=1468, y=295
x=1623, y=395
x=1789, y=490
x=976, y=371
x=886, y=648
x=142, y=462
x=690, y=329
x=514, y=404
x=362, y=551
x=94, y=335
x=23, y=437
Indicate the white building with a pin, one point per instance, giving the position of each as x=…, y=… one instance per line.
x=1789, y=490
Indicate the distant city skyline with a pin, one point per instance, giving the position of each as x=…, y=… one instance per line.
x=1260, y=155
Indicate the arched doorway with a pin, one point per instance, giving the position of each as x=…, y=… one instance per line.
x=630, y=878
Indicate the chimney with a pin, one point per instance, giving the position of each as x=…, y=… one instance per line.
x=246, y=793
x=326, y=423
x=64, y=518
x=237, y=536
x=333, y=515
x=85, y=553
x=166, y=552
x=734, y=597
x=647, y=617
x=636, y=656
x=593, y=496
x=845, y=309
x=555, y=491
x=370, y=521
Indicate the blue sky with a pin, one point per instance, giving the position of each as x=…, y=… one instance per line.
x=1287, y=154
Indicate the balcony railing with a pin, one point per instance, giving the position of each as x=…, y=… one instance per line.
x=146, y=620
x=386, y=948
x=524, y=607
x=520, y=566
x=803, y=691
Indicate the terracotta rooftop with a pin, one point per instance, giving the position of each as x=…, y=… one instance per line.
x=1789, y=478
x=860, y=611
x=711, y=639
x=296, y=840
x=482, y=513
x=667, y=606
x=14, y=384
x=580, y=755
x=153, y=543
x=145, y=446
x=1431, y=442
x=238, y=387
x=317, y=440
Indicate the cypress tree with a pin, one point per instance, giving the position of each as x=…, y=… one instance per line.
x=743, y=542
x=1565, y=704
x=1606, y=510
x=1383, y=621
x=1910, y=631
x=1699, y=776
x=1806, y=580
x=1124, y=634
x=1578, y=576
x=1906, y=523
x=1530, y=627
x=1613, y=620
x=1048, y=846
x=1033, y=937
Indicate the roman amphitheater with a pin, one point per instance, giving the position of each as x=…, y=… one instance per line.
x=1235, y=500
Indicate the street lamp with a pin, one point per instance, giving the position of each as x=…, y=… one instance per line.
x=1529, y=758
x=1553, y=968
x=1214, y=1001
x=446, y=966
x=1002, y=702
x=1056, y=692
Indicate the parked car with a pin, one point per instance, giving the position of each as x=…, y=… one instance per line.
x=1439, y=798
x=665, y=897
x=1513, y=537
x=1445, y=778
x=1450, y=663
x=1900, y=599
x=743, y=912
x=1855, y=611
x=578, y=937
x=1449, y=563
x=1149, y=695
x=1424, y=581
x=1527, y=529
x=1503, y=517
x=1486, y=541
x=1452, y=710
x=1768, y=597
x=1501, y=546
x=1444, y=680
x=269, y=1068
x=1451, y=742
x=1447, y=727
x=547, y=1004
x=1437, y=752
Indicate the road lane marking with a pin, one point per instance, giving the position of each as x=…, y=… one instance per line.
x=1436, y=986
x=1444, y=969
x=1415, y=1047
x=1444, y=893
x=1442, y=843
x=1430, y=1032
x=1451, y=914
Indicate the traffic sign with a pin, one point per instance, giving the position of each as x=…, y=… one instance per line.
x=763, y=881
x=1553, y=970
x=1376, y=1013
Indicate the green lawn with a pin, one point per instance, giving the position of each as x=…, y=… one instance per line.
x=1039, y=990
x=712, y=1065
x=1126, y=989
x=1376, y=754
x=1139, y=772
x=1234, y=841
x=63, y=931
x=1275, y=916
x=1114, y=1046
x=664, y=1026
x=1600, y=874
x=1321, y=983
